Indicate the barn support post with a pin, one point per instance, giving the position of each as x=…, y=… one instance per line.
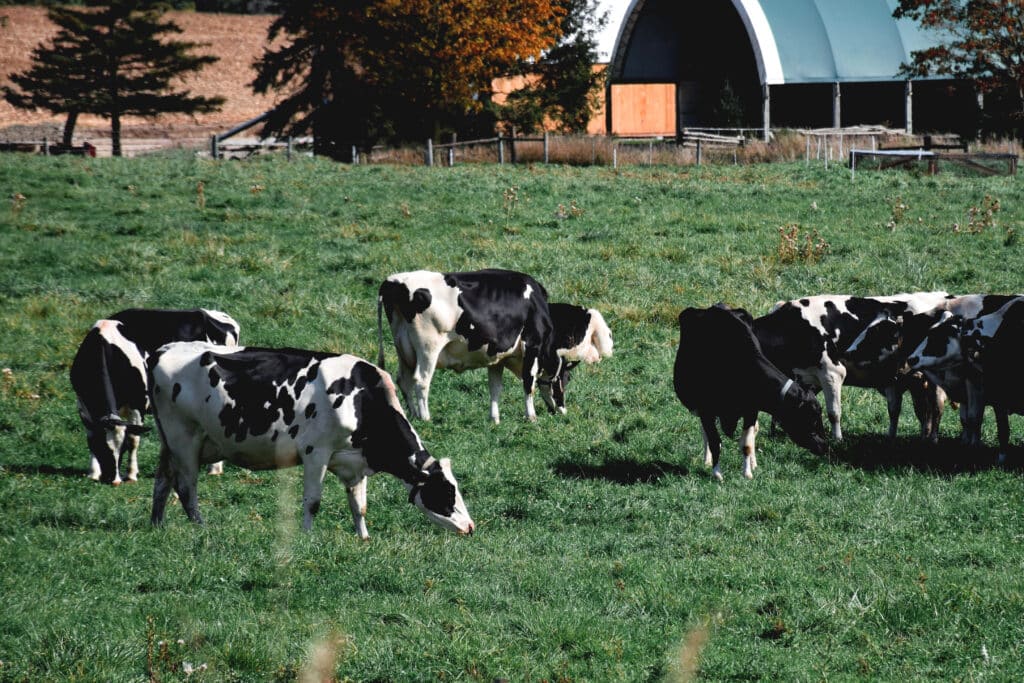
x=837, y=105
x=908, y=104
x=429, y=154
x=766, y=111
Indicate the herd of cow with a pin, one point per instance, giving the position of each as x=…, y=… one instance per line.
x=263, y=408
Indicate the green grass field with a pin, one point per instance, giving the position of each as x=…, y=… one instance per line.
x=604, y=551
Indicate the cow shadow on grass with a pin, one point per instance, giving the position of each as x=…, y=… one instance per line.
x=21, y=468
x=619, y=470
x=874, y=452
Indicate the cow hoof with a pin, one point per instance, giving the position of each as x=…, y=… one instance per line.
x=562, y=411
x=716, y=474
x=116, y=482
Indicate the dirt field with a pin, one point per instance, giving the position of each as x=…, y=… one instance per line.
x=237, y=39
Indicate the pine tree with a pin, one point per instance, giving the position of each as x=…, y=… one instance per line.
x=112, y=60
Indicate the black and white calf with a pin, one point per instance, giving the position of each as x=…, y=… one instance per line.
x=809, y=338
x=274, y=408
x=721, y=374
x=487, y=318
x=108, y=375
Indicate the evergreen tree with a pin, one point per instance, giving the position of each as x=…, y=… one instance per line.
x=111, y=60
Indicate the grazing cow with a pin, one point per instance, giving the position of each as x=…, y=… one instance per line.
x=951, y=355
x=581, y=336
x=996, y=365
x=808, y=338
x=487, y=318
x=108, y=375
x=891, y=339
x=274, y=408
x=721, y=373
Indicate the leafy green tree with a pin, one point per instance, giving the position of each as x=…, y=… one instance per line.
x=562, y=87
x=354, y=73
x=983, y=42
x=112, y=60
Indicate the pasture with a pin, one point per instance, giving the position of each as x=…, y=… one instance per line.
x=604, y=550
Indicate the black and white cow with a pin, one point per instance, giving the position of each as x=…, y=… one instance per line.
x=721, y=374
x=808, y=339
x=996, y=368
x=275, y=408
x=108, y=375
x=950, y=355
x=581, y=336
x=892, y=340
x=487, y=318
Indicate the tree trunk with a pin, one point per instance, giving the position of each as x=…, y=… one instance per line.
x=69, y=128
x=115, y=134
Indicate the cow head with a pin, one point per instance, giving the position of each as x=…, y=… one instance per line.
x=941, y=345
x=800, y=417
x=436, y=493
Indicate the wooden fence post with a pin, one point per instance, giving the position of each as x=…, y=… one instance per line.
x=46, y=147
x=546, y=147
x=288, y=149
x=501, y=150
x=430, y=152
x=214, y=152
x=699, y=150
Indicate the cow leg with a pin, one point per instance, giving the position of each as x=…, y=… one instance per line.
x=403, y=377
x=131, y=445
x=747, y=446
x=357, y=504
x=313, y=471
x=975, y=412
x=494, y=385
x=707, y=446
x=707, y=423
x=186, y=478
x=929, y=399
x=162, y=483
x=426, y=363
x=833, y=388
x=531, y=366
x=894, y=402
x=1003, y=432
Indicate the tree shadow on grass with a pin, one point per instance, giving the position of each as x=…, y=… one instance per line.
x=42, y=469
x=875, y=452
x=619, y=470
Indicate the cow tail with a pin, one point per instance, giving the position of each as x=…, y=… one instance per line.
x=380, y=332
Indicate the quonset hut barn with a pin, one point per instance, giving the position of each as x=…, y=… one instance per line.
x=778, y=63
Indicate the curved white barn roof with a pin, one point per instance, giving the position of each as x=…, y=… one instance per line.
x=793, y=41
